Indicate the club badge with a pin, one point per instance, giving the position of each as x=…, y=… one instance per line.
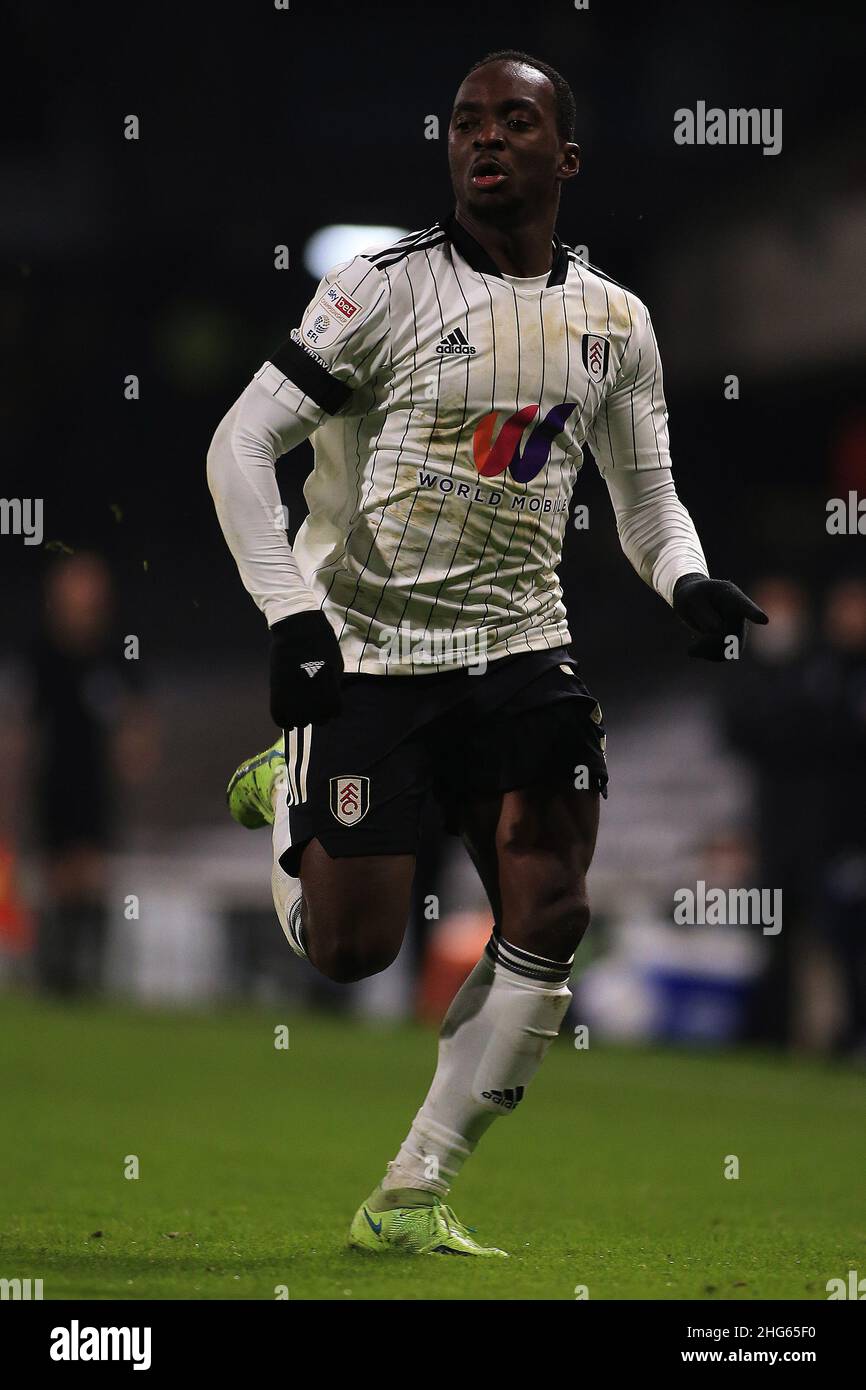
x=595, y=352
x=350, y=799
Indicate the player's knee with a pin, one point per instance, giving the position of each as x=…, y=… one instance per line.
x=569, y=919
x=555, y=929
x=347, y=959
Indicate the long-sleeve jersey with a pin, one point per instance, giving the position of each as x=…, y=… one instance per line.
x=448, y=405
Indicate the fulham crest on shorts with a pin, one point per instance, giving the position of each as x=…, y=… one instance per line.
x=350, y=799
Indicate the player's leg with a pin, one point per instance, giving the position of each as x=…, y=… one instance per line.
x=478, y=832
x=533, y=849
x=498, y=830
x=344, y=800
x=354, y=910
x=544, y=842
x=346, y=915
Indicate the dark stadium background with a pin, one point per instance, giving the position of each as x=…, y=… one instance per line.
x=258, y=126
x=143, y=976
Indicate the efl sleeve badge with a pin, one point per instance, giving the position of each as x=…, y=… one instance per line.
x=330, y=316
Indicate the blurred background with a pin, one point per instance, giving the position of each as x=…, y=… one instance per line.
x=133, y=665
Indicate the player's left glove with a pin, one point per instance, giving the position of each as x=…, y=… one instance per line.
x=714, y=610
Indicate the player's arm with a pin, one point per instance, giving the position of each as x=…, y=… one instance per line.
x=341, y=343
x=264, y=423
x=629, y=439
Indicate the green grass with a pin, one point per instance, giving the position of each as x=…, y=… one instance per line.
x=253, y=1160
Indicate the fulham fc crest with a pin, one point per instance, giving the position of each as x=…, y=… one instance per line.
x=350, y=799
x=595, y=352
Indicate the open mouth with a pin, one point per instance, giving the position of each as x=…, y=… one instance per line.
x=487, y=174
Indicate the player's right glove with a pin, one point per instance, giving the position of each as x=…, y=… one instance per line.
x=306, y=665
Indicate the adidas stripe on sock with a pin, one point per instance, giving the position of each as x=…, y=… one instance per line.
x=521, y=962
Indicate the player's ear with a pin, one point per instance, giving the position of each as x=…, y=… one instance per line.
x=569, y=164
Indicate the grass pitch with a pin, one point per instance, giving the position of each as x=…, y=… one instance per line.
x=252, y=1161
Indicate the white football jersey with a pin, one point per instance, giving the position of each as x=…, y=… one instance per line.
x=448, y=405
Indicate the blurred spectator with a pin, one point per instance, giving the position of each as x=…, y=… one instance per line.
x=772, y=719
x=839, y=682
x=86, y=697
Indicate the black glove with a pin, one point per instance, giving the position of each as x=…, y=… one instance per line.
x=714, y=609
x=306, y=665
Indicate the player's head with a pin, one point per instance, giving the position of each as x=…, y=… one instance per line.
x=511, y=137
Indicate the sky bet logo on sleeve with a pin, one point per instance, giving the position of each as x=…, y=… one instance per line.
x=340, y=302
x=325, y=320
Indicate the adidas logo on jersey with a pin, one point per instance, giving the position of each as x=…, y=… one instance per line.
x=509, y=1099
x=454, y=344
x=311, y=667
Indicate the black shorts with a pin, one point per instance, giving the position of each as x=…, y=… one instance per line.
x=357, y=784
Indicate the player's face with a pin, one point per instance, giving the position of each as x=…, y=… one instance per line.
x=504, y=151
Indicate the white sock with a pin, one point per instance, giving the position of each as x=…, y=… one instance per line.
x=286, y=890
x=492, y=1042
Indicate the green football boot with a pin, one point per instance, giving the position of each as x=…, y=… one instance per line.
x=410, y=1221
x=249, y=792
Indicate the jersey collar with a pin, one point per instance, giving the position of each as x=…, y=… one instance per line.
x=476, y=257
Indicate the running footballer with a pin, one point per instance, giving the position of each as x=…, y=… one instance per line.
x=449, y=382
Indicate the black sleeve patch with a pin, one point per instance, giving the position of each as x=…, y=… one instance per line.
x=310, y=376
